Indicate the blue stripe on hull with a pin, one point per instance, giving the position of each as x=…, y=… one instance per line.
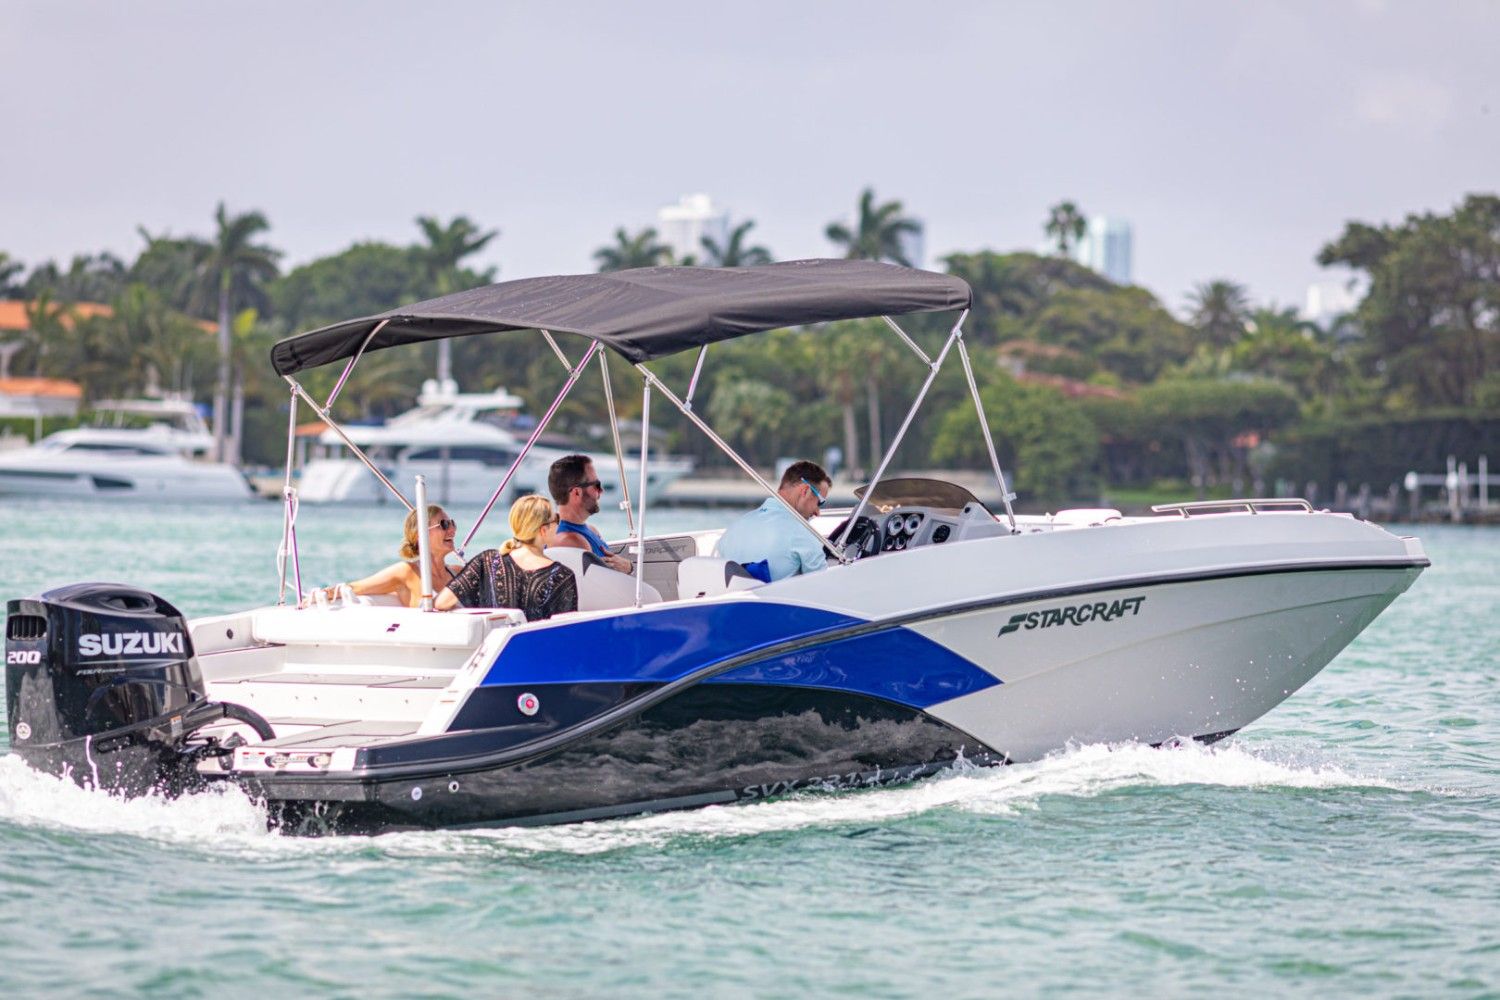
x=660, y=646
x=896, y=664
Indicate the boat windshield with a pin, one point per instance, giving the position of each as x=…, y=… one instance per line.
x=936, y=493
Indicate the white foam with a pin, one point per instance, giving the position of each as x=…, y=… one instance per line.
x=226, y=820
x=31, y=798
x=1082, y=771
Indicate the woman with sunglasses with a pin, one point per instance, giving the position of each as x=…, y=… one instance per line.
x=518, y=574
x=404, y=578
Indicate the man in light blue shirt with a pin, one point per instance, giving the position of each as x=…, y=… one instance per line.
x=770, y=542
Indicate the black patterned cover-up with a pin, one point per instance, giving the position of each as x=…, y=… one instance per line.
x=492, y=580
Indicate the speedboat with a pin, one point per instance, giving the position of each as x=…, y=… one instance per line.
x=137, y=449
x=943, y=634
x=459, y=441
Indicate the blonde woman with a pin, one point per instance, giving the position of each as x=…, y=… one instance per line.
x=404, y=579
x=518, y=574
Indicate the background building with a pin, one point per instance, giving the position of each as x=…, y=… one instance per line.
x=1106, y=247
x=682, y=226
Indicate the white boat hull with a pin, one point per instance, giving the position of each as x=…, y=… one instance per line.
x=169, y=479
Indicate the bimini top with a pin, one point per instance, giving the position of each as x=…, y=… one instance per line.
x=645, y=313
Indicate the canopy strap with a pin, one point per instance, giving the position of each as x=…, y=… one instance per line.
x=734, y=456
x=536, y=432
x=333, y=425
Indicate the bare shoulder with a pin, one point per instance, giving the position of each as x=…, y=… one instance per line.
x=570, y=540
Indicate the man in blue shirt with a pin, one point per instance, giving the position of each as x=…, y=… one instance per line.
x=576, y=489
x=769, y=541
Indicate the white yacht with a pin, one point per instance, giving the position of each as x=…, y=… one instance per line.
x=137, y=448
x=461, y=442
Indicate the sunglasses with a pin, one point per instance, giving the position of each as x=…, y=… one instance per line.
x=821, y=498
x=447, y=524
x=596, y=484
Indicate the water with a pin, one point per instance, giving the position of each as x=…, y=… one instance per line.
x=1348, y=843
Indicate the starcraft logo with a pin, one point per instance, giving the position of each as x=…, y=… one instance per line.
x=1073, y=614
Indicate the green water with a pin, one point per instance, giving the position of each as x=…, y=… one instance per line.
x=1347, y=843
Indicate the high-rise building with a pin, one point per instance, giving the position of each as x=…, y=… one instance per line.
x=914, y=246
x=1329, y=300
x=682, y=226
x=1106, y=247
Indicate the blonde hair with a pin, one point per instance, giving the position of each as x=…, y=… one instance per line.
x=528, y=516
x=409, y=548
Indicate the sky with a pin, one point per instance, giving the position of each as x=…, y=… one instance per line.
x=1235, y=138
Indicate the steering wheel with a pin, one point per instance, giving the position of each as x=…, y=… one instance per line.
x=864, y=539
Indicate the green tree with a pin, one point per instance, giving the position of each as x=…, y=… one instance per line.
x=1218, y=311
x=750, y=413
x=366, y=278
x=89, y=278
x=1010, y=289
x=1126, y=330
x=10, y=270
x=1046, y=442
x=447, y=245
x=1065, y=225
x=643, y=249
x=230, y=273
x=1216, y=421
x=1431, y=319
x=878, y=232
x=734, y=253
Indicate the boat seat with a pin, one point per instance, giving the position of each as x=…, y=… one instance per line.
x=599, y=587
x=707, y=576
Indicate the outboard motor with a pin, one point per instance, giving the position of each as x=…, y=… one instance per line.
x=101, y=685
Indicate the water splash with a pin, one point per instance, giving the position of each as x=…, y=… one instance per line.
x=227, y=820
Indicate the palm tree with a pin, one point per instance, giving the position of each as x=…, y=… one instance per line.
x=446, y=246
x=231, y=271
x=643, y=249
x=9, y=270
x=734, y=253
x=1066, y=225
x=1219, y=311
x=878, y=234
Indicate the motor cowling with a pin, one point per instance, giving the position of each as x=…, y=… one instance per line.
x=94, y=671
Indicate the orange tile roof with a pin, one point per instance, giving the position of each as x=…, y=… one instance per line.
x=57, y=387
x=311, y=429
x=13, y=314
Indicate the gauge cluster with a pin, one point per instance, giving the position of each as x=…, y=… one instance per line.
x=907, y=528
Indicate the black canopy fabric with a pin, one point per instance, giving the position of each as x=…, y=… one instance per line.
x=645, y=313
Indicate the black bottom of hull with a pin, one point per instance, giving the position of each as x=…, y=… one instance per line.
x=714, y=743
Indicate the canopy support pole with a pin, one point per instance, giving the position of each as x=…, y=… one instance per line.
x=333, y=425
x=289, y=513
x=640, y=536
x=909, y=342
x=349, y=368
x=536, y=432
x=424, y=544
x=552, y=343
x=1006, y=496
x=890, y=452
x=614, y=429
x=723, y=446
x=693, y=382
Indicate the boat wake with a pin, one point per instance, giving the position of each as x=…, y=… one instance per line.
x=226, y=818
